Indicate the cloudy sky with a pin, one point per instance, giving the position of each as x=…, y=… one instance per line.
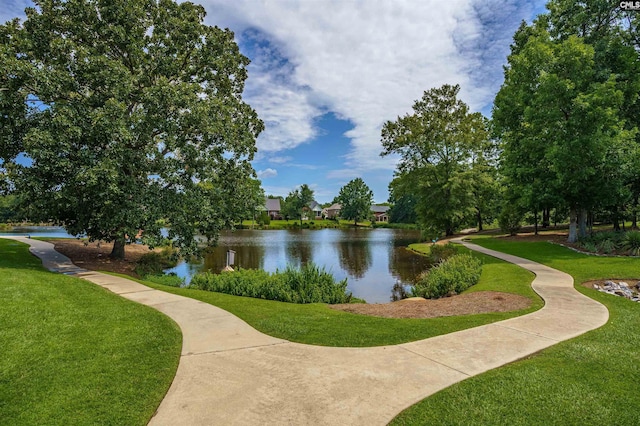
x=327, y=74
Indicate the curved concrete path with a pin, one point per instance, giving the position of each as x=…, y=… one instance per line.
x=229, y=373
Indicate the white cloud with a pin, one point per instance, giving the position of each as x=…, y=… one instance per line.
x=267, y=173
x=280, y=160
x=368, y=61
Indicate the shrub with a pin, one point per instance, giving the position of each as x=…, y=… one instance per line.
x=606, y=242
x=631, y=242
x=451, y=276
x=264, y=219
x=510, y=220
x=589, y=246
x=310, y=284
x=440, y=252
x=607, y=246
x=154, y=263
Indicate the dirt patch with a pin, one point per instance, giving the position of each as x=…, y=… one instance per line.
x=95, y=256
x=464, y=304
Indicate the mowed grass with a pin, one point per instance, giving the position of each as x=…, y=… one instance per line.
x=317, y=324
x=73, y=353
x=590, y=380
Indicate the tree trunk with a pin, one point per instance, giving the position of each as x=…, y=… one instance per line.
x=634, y=214
x=546, y=217
x=479, y=216
x=118, y=248
x=582, y=232
x=573, y=222
x=535, y=222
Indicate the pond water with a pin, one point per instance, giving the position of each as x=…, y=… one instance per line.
x=372, y=260
x=38, y=231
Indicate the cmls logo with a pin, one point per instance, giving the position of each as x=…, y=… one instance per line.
x=630, y=5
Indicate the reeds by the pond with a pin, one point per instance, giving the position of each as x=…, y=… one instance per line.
x=309, y=284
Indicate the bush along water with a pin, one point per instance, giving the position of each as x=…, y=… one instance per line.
x=150, y=267
x=451, y=276
x=441, y=252
x=309, y=284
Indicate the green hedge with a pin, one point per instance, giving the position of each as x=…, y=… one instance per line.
x=449, y=277
x=310, y=284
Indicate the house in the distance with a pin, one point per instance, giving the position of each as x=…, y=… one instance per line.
x=273, y=208
x=381, y=213
x=333, y=211
x=312, y=211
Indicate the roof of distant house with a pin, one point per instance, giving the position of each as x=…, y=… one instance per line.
x=379, y=209
x=314, y=206
x=335, y=206
x=272, y=204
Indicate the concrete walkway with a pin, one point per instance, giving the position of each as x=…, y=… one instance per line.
x=230, y=373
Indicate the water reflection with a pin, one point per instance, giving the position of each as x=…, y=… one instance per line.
x=299, y=250
x=355, y=257
x=373, y=261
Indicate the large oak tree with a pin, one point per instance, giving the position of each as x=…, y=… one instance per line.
x=127, y=112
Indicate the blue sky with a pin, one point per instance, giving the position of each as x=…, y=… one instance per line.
x=327, y=74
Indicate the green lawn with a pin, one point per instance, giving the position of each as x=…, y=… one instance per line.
x=73, y=353
x=590, y=380
x=317, y=324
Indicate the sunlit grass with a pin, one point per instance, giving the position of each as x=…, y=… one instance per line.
x=74, y=353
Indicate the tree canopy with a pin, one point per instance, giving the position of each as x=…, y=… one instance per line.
x=297, y=201
x=127, y=112
x=562, y=112
x=439, y=145
x=356, y=199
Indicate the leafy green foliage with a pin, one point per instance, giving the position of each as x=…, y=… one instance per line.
x=310, y=284
x=403, y=208
x=445, y=153
x=155, y=262
x=130, y=112
x=451, y=276
x=510, y=219
x=356, y=199
x=296, y=202
x=441, y=252
x=631, y=242
x=8, y=209
x=567, y=112
x=264, y=219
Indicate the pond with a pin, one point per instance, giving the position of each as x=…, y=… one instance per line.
x=37, y=231
x=372, y=260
